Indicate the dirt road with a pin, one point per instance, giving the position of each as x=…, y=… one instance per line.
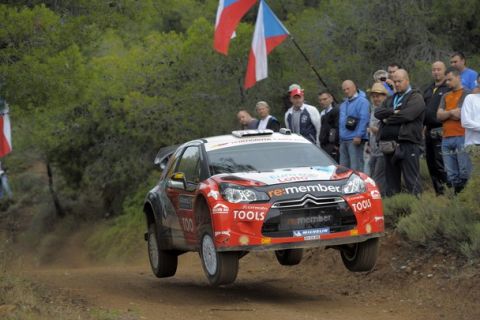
x=319, y=288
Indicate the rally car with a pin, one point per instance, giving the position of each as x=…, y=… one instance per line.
x=257, y=190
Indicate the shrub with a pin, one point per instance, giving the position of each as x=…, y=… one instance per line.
x=397, y=206
x=448, y=220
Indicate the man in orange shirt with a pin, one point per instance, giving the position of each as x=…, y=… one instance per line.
x=457, y=161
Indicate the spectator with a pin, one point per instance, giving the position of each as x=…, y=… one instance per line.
x=353, y=122
x=266, y=120
x=246, y=121
x=392, y=67
x=302, y=118
x=477, y=89
x=468, y=76
x=470, y=117
x=5, y=187
x=381, y=76
x=456, y=159
x=378, y=94
x=329, y=124
x=400, y=135
x=433, y=128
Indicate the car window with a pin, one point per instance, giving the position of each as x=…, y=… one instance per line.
x=189, y=164
x=266, y=157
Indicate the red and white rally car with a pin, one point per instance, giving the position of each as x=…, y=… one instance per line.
x=257, y=190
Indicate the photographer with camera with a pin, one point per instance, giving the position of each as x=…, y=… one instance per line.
x=381, y=76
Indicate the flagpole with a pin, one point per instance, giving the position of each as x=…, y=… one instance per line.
x=313, y=67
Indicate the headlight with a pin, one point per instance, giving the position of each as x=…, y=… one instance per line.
x=355, y=184
x=236, y=194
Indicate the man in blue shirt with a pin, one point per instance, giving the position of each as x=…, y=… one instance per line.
x=469, y=76
x=353, y=123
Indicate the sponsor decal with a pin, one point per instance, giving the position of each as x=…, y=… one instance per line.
x=303, y=189
x=185, y=202
x=251, y=140
x=309, y=220
x=248, y=215
x=327, y=169
x=220, y=209
x=290, y=177
x=357, y=197
x=244, y=240
x=214, y=194
x=376, y=219
x=222, y=233
x=375, y=194
x=361, y=205
x=307, y=238
x=310, y=232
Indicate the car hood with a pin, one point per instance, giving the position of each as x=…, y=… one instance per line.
x=287, y=175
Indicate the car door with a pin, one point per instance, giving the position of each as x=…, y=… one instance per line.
x=181, y=189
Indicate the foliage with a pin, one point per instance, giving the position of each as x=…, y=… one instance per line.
x=453, y=221
x=121, y=238
x=97, y=87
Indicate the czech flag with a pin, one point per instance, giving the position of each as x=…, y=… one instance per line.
x=269, y=33
x=229, y=14
x=5, y=134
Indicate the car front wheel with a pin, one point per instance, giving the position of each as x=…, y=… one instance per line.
x=220, y=267
x=163, y=262
x=360, y=256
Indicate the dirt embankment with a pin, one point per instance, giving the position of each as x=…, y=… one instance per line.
x=404, y=285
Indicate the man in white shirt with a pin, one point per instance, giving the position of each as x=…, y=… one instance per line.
x=302, y=118
x=470, y=118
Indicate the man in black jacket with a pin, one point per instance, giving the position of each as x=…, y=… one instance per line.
x=329, y=124
x=433, y=128
x=401, y=119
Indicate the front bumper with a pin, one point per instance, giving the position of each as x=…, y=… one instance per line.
x=304, y=244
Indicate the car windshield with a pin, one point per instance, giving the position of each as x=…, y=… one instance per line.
x=266, y=157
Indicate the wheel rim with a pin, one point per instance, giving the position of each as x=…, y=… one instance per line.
x=209, y=255
x=350, y=252
x=153, y=250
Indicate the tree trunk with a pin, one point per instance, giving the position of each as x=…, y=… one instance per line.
x=58, y=208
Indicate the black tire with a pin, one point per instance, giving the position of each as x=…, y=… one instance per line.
x=289, y=257
x=360, y=257
x=219, y=267
x=163, y=262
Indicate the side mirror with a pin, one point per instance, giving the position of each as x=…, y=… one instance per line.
x=178, y=181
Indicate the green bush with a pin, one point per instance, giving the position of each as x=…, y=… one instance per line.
x=397, y=206
x=449, y=220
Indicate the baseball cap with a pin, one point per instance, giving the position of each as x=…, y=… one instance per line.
x=294, y=86
x=379, y=88
x=296, y=92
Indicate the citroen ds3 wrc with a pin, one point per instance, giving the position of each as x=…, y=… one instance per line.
x=228, y=195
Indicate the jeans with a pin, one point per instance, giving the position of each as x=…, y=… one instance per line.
x=457, y=161
x=351, y=155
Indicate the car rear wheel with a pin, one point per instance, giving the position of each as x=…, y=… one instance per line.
x=220, y=267
x=360, y=256
x=163, y=262
x=289, y=257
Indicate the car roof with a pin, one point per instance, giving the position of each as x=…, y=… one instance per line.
x=225, y=141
